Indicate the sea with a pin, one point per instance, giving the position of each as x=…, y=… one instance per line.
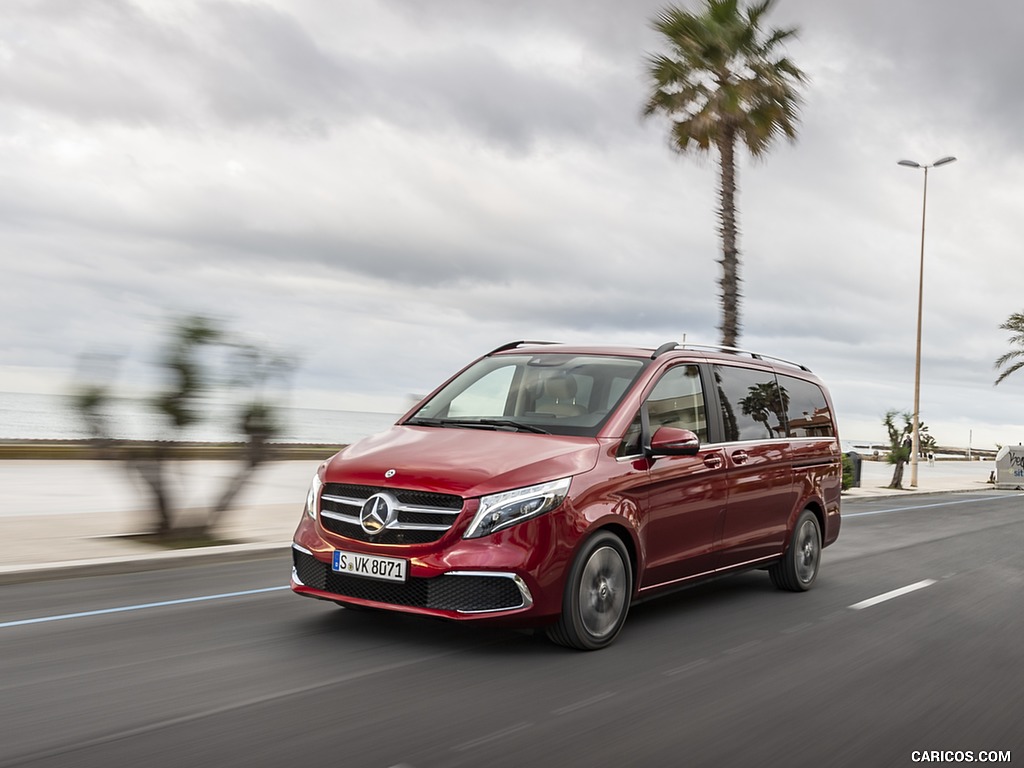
x=54, y=417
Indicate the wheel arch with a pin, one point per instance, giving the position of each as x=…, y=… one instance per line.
x=623, y=533
x=816, y=508
x=819, y=512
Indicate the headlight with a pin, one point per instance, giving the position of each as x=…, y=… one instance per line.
x=501, y=510
x=313, y=496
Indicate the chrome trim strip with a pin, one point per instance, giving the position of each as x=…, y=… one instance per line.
x=340, y=517
x=352, y=502
x=523, y=589
x=428, y=510
x=712, y=572
x=630, y=457
x=662, y=584
x=758, y=440
x=295, y=573
x=749, y=563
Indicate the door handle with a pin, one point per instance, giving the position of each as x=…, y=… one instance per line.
x=740, y=457
x=714, y=461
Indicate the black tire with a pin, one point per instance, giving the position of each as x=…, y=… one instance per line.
x=798, y=568
x=597, y=594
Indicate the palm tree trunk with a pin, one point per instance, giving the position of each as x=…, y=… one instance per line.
x=151, y=470
x=730, y=251
x=256, y=454
x=897, y=477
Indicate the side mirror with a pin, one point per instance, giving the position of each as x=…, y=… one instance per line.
x=671, y=441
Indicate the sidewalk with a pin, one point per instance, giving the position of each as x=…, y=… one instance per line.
x=60, y=518
x=941, y=476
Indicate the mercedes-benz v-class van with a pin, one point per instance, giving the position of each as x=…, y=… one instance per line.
x=553, y=485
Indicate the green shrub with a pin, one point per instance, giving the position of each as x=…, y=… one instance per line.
x=847, y=472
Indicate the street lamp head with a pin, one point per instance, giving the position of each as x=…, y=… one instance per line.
x=909, y=163
x=944, y=161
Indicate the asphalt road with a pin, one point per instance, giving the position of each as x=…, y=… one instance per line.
x=221, y=665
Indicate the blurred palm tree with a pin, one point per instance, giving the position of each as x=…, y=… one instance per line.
x=900, y=428
x=188, y=379
x=724, y=81
x=1015, y=325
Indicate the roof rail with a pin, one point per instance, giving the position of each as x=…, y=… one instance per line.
x=514, y=344
x=666, y=347
x=669, y=346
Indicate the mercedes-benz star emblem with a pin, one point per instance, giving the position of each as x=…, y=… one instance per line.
x=377, y=512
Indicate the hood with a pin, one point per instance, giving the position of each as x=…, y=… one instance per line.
x=464, y=462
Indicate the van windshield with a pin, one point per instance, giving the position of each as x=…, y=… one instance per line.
x=560, y=394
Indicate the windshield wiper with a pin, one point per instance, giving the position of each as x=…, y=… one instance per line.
x=423, y=421
x=420, y=421
x=514, y=424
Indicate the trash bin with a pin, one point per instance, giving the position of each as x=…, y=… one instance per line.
x=855, y=462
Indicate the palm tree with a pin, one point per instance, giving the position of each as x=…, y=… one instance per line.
x=901, y=444
x=1015, y=324
x=724, y=81
x=764, y=401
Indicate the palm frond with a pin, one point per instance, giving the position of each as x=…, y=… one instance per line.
x=1014, y=323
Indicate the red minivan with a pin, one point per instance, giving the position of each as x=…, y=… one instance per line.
x=552, y=485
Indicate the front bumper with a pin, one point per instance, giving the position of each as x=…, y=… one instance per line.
x=509, y=575
x=462, y=593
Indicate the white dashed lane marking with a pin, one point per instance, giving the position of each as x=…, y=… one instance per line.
x=894, y=593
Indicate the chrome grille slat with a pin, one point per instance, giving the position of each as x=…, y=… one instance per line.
x=338, y=516
x=343, y=500
x=427, y=510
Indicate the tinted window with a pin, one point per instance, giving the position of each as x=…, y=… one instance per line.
x=678, y=401
x=753, y=407
x=809, y=414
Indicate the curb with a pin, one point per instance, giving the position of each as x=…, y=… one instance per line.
x=110, y=566
x=882, y=492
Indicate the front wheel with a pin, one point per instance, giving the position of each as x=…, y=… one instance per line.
x=798, y=568
x=597, y=595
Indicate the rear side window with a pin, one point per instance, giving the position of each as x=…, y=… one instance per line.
x=753, y=407
x=809, y=414
x=758, y=405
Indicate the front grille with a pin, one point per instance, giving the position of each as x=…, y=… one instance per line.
x=465, y=593
x=422, y=517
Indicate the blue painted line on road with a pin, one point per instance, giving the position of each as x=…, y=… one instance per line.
x=140, y=607
x=926, y=506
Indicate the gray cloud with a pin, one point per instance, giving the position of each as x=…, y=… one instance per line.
x=389, y=189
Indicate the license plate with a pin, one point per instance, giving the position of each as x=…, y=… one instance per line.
x=370, y=566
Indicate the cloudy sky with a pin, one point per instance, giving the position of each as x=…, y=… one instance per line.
x=387, y=188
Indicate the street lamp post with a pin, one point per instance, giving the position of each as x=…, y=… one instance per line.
x=916, y=435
